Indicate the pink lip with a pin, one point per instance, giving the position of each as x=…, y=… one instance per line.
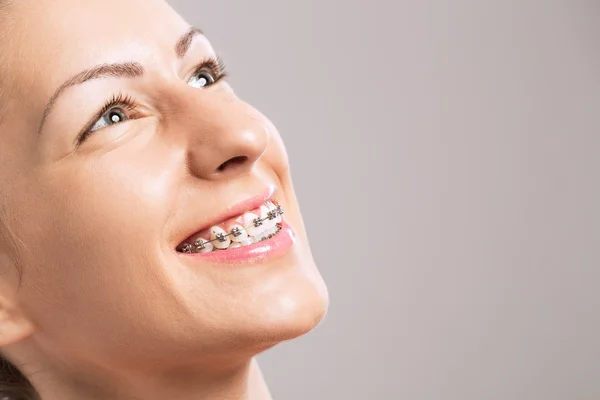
x=253, y=254
x=238, y=209
x=241, y=207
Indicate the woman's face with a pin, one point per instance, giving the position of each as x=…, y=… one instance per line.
x=116, y=148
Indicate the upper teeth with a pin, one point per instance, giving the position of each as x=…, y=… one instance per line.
x=253, y=224
x=238, y=233
x=256, y=228
x=202, y=246
x=219, y=237
x=265, y=214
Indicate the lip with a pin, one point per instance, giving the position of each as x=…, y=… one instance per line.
x=255, y=253
x=235, y=210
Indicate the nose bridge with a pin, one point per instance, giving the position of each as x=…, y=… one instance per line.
x=224, y=138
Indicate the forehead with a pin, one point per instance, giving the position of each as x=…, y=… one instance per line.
x=51, y=40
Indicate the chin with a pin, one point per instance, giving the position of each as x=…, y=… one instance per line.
x=289, y=310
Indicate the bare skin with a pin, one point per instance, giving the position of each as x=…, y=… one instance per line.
x=104, y=307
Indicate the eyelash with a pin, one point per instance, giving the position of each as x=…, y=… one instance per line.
x=128, y=104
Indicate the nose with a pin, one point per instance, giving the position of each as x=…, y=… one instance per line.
x=225, y=136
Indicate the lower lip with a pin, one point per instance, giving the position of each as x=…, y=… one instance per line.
x=254, y=253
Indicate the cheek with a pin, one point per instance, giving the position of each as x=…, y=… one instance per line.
x=94, y=234
x=126, y=195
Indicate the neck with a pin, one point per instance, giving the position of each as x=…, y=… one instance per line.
x=243, y=383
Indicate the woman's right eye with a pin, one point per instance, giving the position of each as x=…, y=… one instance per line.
x=117, y=110
x=111, y=117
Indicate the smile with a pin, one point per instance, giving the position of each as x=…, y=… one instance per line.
x=254, y=226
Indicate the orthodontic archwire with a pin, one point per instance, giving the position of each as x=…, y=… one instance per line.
x=235, y=232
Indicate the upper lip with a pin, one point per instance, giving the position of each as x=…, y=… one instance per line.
x=237, y=209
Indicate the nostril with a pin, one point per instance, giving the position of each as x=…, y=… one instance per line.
x=235, y=161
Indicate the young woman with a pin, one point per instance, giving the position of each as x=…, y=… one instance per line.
x=151, y=243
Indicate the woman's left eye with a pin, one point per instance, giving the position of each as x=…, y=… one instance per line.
x=203, y=78
x=208, y=73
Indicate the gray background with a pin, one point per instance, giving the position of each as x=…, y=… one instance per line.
x=446, y=156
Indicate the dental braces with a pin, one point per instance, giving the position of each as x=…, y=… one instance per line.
x=235, y=232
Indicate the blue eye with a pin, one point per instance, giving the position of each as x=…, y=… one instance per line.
x=111, y=117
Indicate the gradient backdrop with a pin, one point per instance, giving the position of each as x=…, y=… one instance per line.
x=446, y=155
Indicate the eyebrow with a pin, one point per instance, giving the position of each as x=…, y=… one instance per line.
x=118, y=70
x=185, y=41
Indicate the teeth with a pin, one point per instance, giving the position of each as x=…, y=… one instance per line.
x=256, y=239
x=238, y=234
x=264, y=215
x=203, y=246
x=252, y=229
x=273, y=208
x=219, y=237
x=251, y=222
x=266, y=235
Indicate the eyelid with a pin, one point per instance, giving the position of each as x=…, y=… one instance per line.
x=215, y=63
x=126, y=102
